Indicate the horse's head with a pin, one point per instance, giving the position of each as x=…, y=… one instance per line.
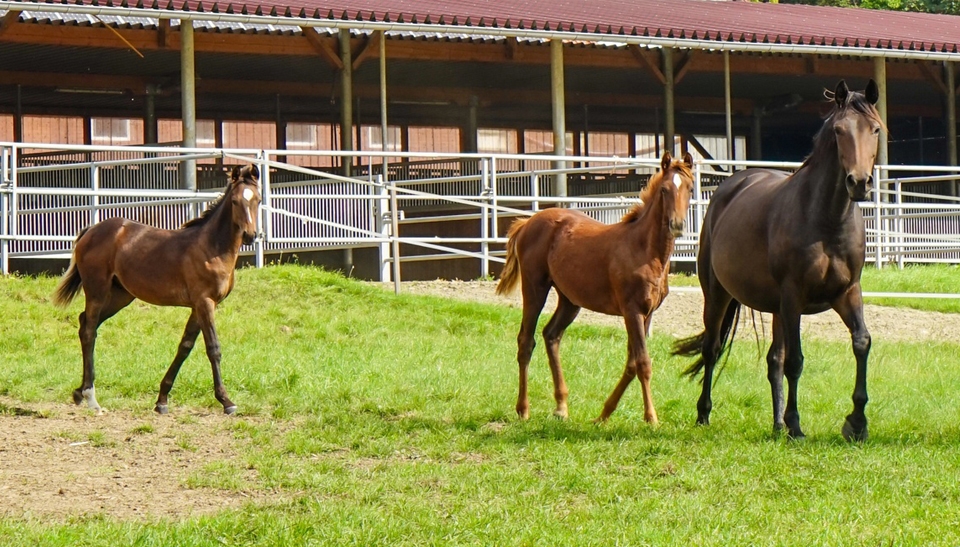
x=856, y=126
x=676, y=189
x=245, y=197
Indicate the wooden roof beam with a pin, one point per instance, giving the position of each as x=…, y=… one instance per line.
x=322, y=46
x=10, y=19
x=933, y=76
x=646, y=57
x=370, y=49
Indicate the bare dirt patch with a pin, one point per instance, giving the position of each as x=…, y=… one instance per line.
x=682, y=311
x=58, y=461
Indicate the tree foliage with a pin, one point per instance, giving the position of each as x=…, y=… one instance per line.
x=928, y=6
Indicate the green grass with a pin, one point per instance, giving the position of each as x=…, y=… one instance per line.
x=934, y=278
x=385, y=420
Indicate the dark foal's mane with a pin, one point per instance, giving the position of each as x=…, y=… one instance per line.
x=825, y=141
x=647, y=193
x=207, y=214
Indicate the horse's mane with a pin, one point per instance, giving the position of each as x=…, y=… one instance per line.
x=652, y=185
x=209, y=212
x=825, y=141
x=215, y=204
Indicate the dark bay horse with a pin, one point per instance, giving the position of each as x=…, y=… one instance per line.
x=117, y=260
x=791, y=245
x=620, y=269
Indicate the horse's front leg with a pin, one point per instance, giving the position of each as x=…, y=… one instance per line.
x=793, y=361
x=638, y=363
x=850, y=308
x=204, y=313
x=183, y=351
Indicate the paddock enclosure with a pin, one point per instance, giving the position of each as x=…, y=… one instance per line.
x=388, y=131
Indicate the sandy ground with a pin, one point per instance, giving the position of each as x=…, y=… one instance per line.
x=682, y=311
x=58, y=461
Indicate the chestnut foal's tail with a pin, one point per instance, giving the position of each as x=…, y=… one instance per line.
x=70, y=283
x=511, y=270
x=693, y=345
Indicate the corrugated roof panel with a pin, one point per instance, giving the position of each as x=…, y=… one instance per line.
x=689, y=19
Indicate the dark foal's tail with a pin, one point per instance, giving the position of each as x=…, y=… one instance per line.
x=510, y=275
x=692, y=346
x=70, y=283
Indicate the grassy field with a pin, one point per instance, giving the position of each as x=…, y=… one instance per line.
x=385, y=420
x=935, y=279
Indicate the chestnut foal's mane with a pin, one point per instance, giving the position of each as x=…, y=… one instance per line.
x=652, y=185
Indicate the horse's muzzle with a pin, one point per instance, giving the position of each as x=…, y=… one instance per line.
x=248, y=238
x=859, y=189
x=676, y=227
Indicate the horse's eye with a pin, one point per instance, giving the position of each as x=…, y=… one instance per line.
x=876, y=130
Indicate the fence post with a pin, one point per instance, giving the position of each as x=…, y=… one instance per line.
x=4, y=211
x=877, y=220
x=897, y=186
x=395, y=235
x=95, y=197
x=484, y=217
x=493, y=197
x=262, y=221
x=535, y=191
x=698, y=195
x=382, y=209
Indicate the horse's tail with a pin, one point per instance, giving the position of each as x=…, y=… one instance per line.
x=70, y=283
x=510, y=275
x=694, y=345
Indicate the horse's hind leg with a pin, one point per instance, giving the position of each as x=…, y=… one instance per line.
x=850, y=308
x=204, y=313
x=552, y=334
x=718, y=308
x=99, y=306
x=534, y=297
x=183, y=351
x=775, y=357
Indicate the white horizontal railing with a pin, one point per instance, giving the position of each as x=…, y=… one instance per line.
x=44, y=205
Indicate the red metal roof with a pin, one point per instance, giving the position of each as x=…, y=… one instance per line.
x=683, y=19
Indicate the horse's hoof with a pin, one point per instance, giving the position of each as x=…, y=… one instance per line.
x=600, y=420
x=77, y=397
x=560, y=414
x=796, y=436
x=161, y=409
x=851, y=434
x=702, y=420
x=229, y=410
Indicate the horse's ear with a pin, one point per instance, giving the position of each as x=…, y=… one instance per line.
x=665, y=162
x=688, y=159
x=840, y=95
x=872, y=92
x=235, y=174
x=254, y=172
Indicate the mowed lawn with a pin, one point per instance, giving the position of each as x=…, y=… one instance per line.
x=386, y=420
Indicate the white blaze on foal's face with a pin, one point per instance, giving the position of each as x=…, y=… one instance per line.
x=677, y=181
x=247, y=196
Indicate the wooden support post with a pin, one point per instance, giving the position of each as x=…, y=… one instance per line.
x=346, y=100
x=669, y=114
x=559, y=114
x=188, y=101
x=951, y=119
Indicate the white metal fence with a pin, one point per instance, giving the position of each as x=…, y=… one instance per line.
x=49, y=192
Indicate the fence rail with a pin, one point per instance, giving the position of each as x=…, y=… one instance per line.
x=49, y=192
